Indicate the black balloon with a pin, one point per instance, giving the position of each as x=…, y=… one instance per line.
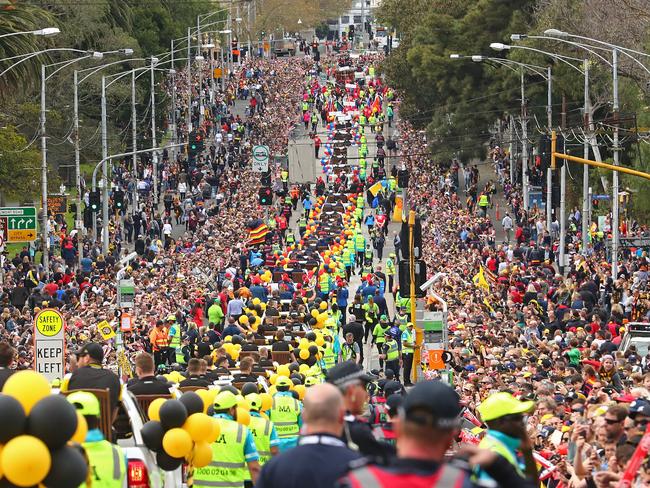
x=237, y=339
x=192, y=401
x=172, y=414
x=210, y=411
x=249, y=388
x=310, y=336
x=69, y=469
x=312, y=321
x=152, y=435
x=313, y=349
x=166, y=462
x=296, y=381
x=53, y=420
x=230, y=388
x=12, y=418
x=294, y=367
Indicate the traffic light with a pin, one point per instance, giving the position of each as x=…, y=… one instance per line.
x=265, y=180
x=118, y=199
x=544, y=154
x=95, y=200
x=235, y=50
x=405, y=278
x=265, y=196
x=417, y=240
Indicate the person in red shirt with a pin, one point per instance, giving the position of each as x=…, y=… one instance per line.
x=317, y=143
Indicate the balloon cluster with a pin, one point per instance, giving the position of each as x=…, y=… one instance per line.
x=36, y=429
x=300, y=375
x=180, y=430
x=309, y=348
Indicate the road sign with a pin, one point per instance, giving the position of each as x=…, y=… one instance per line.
x=18, y=224
x=261, y=158
x=57, y=204
x=126, y=293
x=49, y=344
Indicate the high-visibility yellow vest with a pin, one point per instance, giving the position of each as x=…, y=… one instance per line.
x=493, y=444
x=390, y=267
x=228, y=465
x=324, y=283
x=175, y=342
x=407, y=337
x=284, y=415
x=483, y=201
x=393, y=351
x=107, y=464
x=359, y=243
x=261, y=430
x=284, y=176
x=328, y=355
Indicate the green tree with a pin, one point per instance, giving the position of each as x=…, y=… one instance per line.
x=20, y=175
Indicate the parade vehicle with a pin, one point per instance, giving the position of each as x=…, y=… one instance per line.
x=638, y=335
x=284, y=47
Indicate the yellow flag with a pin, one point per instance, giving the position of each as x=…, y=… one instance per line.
x=105, y=330
x=480, y=281
x=376, y=188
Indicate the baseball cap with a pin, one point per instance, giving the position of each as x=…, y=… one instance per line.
x=91, y=349
x=283, y=381
x=225, y=400
x=86, y=403
x=391, y=387
x=501, y=404
x=432, y=403
x=639, y=407
x=254, y=400
x=346, y=373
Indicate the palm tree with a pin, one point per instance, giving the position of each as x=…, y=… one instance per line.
x=18, y=17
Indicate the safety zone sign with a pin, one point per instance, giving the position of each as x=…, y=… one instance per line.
x=49, y=344
x=261, y=159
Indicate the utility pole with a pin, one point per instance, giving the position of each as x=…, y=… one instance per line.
x=104, y=171
x=45, y=238
x=154, y=154
x=563, y=194
x=188, y=113
x=134, y=136
x=511, y=149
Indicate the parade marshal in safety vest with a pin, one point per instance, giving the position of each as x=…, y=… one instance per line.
x=107, y=462
x=286, y=414
x=263, y=430
x=175, y=353
x=234, y=455
x=507, y=434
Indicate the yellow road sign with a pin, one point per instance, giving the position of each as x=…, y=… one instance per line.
x=49, y=322
x=25, y=235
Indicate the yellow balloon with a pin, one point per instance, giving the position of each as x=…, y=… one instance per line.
x=267, y=401
x=28, y=387
x=304, y=354
x=243, y=416
x=82, y=429
x=314, y=313
x=283, y=370
x=304, y=343
x=272, y=390
x=243, y=319
x=177, y=442
x=199, y=426
x=25, y=460
x=256, y=301
x=201, y=455
x=243, y=403
x=273, y=378
x=205, y=397
x=215, y=430
x=322, y=317
x=323, y=305
x=303, y=368
x=300, y=389
x=154, y=409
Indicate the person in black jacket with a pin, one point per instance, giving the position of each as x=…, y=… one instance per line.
x=146, y=382
x=7, y=355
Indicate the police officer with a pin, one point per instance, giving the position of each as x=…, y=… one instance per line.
x=408, y=345
x=90, y=374
x=234, y=455
x=426, y=426
x=391, y=353
x=506, y=434
x=286, y=414
x=263, y=430
x=390, y=270
x=352, y=381
x=106, y=461
x=321, y=457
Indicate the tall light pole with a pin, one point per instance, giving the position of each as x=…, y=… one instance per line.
x=566, y=60
x=558, y=35
x=45, y=32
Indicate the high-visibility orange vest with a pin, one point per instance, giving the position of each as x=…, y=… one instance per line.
x=159, y=339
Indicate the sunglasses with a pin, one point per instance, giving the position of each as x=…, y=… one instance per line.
x=612, y=421
x=641, y=423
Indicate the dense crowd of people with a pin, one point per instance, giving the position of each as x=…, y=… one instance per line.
x=225, y=288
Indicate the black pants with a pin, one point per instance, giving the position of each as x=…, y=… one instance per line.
x=407, y=362
x=394, y=367
x=160, y=357
x=360, y=344
x=379, y=349
x=368, y=326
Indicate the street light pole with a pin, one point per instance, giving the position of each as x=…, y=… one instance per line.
x=188, y=114
x=154, y=154
x=549, y=171
x=77, y=170
x=134, y=142
x=524, y=142
x=44, y=218
x=586, y=214
x=615, y=229
x=105, y=171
